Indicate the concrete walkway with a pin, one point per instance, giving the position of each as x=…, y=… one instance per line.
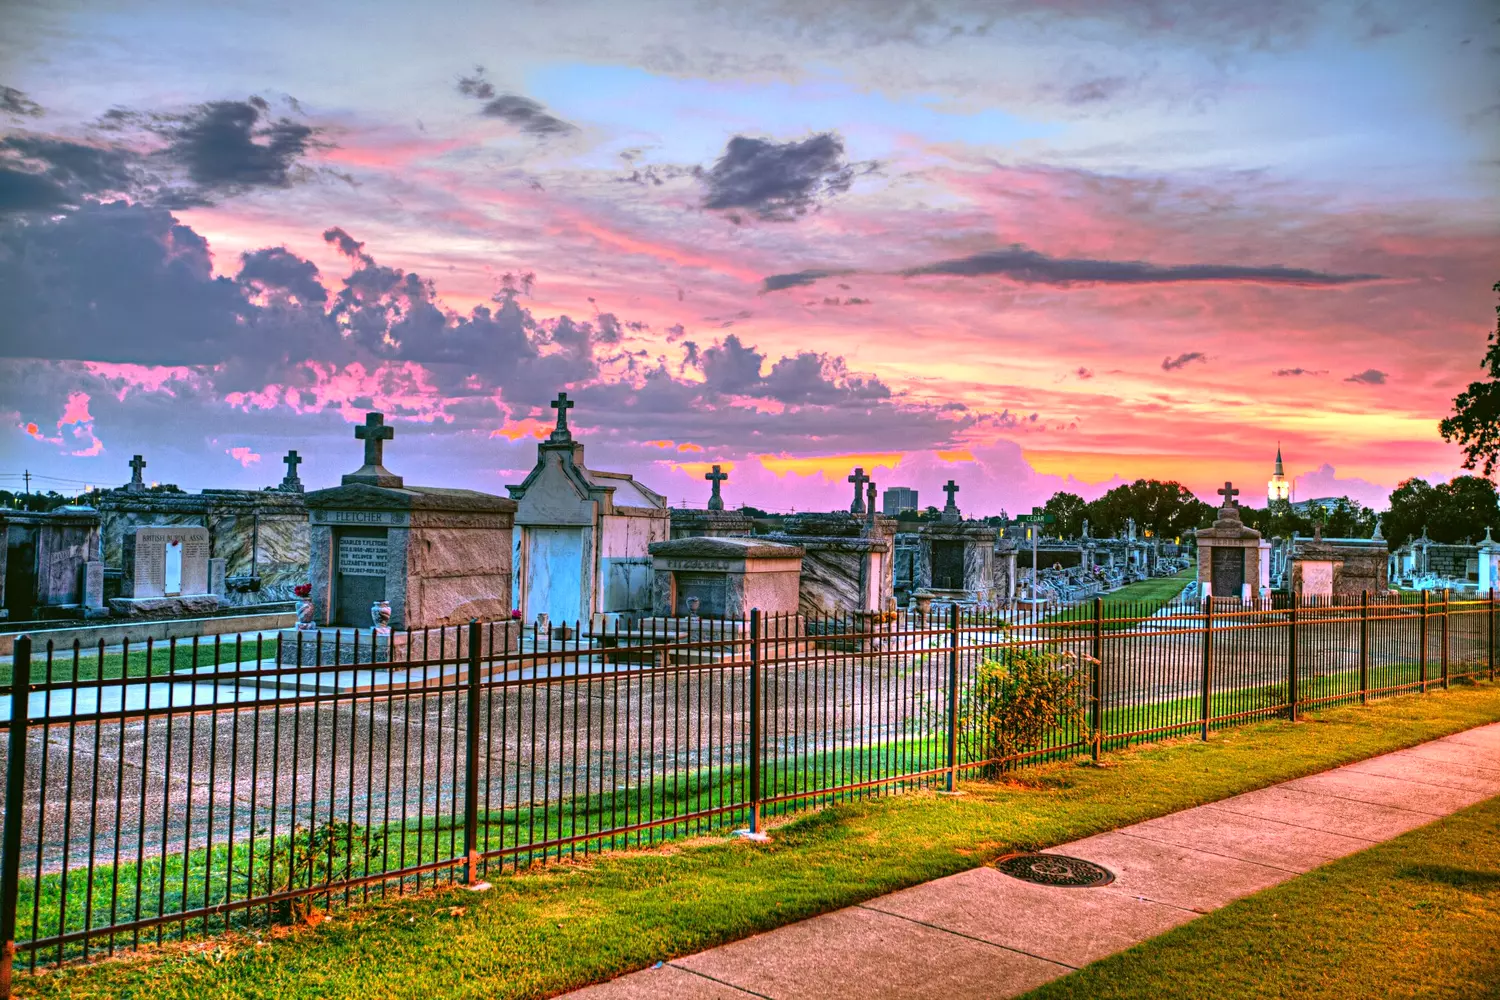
x=984, y=934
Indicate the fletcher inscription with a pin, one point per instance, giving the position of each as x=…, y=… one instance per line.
x=360, y=556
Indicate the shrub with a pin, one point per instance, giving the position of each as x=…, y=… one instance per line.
x=309, y=856
x=1016, y=701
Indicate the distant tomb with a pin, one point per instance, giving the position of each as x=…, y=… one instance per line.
x=582, y=536
x=1234, y=562
x=724, y=577
x=715, y=521
x=50, y=563
x=849, y=558
x=955, y=559
x=165, y=573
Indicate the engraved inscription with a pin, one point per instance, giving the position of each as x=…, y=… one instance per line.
x=362, y=556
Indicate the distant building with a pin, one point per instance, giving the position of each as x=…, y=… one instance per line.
x=897, y=499
x=1330, y=504
x=1278, y=488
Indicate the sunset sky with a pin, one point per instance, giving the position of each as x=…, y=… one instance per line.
x=1027, y=246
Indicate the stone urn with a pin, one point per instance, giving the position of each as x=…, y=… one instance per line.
x=543, y=624
x=692, y=607
x=380, y=617
x=305, y=613
x=921, y=600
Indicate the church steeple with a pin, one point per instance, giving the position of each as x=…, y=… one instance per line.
x=1278, y=488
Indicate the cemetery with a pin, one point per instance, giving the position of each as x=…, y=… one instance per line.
x=574, y=649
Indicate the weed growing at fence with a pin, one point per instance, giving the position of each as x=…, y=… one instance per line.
x=1016, y=701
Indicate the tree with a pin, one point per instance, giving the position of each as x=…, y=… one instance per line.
x=1067, y=509
x=1454, y=512
x=1475, y=424
x=1165, y=509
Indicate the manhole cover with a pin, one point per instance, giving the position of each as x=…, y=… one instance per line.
x=1055, y=869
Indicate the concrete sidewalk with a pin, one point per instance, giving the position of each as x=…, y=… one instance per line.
x=984, y=934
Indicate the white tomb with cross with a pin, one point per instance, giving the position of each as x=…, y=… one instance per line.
x=582, y=536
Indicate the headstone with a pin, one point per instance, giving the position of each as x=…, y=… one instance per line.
x=216, y=577
x=93, y=590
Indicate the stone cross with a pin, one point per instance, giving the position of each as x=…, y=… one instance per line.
x=1229, y=493
x=715, y=501
x=870, y=500
x=858, y=478
x=374, y=434
x=951, y=489
x=136, y=465
x=292, y=484
x=562, y=404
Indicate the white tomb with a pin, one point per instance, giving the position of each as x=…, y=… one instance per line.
x=165, y=572
x=582, y=536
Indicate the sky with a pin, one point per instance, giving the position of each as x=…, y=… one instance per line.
x=1026, y=246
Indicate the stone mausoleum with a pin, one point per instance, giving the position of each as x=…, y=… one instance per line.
x=259, y=537
x=438, y=556
x=713, y=521
x=719, y=577
x=582, y=536
x=955, y=559
x=50, y=563
x=849, y=557
x=1234, y=562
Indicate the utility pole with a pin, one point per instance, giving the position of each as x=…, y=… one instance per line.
x=27, y=477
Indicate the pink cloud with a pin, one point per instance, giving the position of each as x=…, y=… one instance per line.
x=243, y=455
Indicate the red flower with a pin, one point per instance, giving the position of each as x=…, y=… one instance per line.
x=303, y=590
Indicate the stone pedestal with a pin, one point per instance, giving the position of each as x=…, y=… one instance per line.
x=440, y=557
x=729, y=576
x=1234, y=562
x=1338, y=570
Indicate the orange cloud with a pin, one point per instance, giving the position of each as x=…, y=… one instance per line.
x=831, y=467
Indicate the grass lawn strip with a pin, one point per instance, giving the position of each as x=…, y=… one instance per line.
x=564, y=925
x=1418, y=916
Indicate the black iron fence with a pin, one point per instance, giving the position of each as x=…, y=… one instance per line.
x=160, y=790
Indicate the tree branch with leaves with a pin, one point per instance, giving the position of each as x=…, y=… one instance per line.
x=1475, y=424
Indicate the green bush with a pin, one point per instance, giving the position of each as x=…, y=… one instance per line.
x=1017, y=700
x=308, y=856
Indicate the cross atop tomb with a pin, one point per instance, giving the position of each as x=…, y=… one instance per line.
x=374, y=433
x=715, y=501
x=136, y=465
x=950, y=489
x=870, y=500
x=858, y=478
x=1229, y=493
x=562, y=404
x=292, y=483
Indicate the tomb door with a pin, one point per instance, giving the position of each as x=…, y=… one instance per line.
x=359, y=574
x=948, y=565
x=1228, y=571
x=20, y=572
x=172, y=584
x=554, y=574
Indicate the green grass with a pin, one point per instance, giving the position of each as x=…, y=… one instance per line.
x=163, y=660
x=1131, y=604
x=562, y=925
x=1416, y=917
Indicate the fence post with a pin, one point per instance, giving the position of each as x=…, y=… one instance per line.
x=1490, y=632
x=1364, y=647
x=755, y=721
x=1291, y=660
x=1096, y=679
x=1208, y=663
x=471, y=760
x=1443, y=645
x=1422, y=651
x=952, y=780
x=15, y=804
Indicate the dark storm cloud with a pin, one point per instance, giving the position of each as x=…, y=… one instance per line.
x=1031, y=267
x=79, y=167
x=1038, y=268
x=1182, y=360
x=236, y=145
x=530, y=116
x=777, y=181
x=277, y=269
x=1293, y=372
x=14, y=102
x=1370, y=376
x=27, y=192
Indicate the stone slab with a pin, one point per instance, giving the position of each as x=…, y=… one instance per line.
x=846, y=954
x=1176, y=876
x=1431, y=772
x=163, y=607
x=665, y=983
x=1296, y=807
x=1249, y=838
x=1069, y=926
x=1380, y=789
x=1457, y=753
